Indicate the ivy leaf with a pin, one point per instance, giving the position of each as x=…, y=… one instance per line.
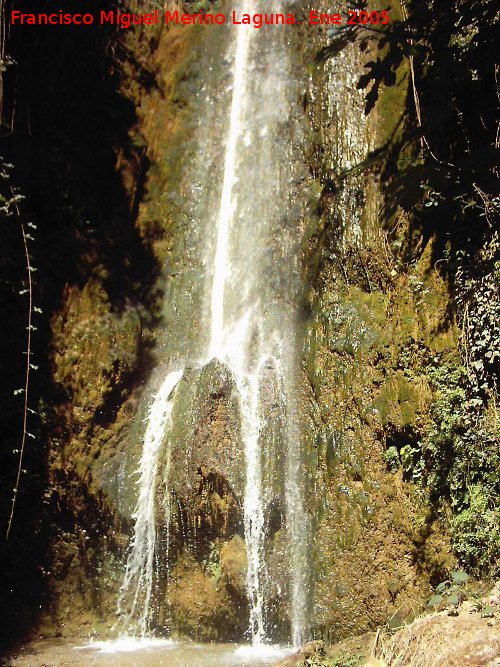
x=435, y=600
x=442, y=586
x=459, y=576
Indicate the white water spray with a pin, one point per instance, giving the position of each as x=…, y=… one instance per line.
x=137, y=587
x=227, y=204
x=249, y=332
x=230, y=346
x=241, y=336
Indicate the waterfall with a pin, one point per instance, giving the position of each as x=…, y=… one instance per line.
x=227, y=208
x=137, y=586
x=249, y=327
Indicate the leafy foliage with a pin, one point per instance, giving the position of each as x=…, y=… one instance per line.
x=342, y=659
x=454, y=457
x=476, y=533
x=9, y=195
x=450, y=592
x=455, y=590
x=458, y=461
x=477, y=295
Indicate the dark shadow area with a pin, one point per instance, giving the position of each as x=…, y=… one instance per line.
x=68, y=131
x=440, y=165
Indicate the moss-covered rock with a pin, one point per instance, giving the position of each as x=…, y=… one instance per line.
x=201, y=606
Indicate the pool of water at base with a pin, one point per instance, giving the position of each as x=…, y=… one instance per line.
x=132, y=652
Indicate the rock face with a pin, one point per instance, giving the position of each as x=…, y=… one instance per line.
x=367, y=330
x=204, y=594
x=206, y=437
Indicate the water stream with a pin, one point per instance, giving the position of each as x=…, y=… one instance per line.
x=249, y=327
x=145, y=653
x=137, y=587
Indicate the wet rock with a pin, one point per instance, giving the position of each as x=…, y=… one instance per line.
x=305, y=656
x=200, y=607
x=233, y=561
x=205, y=435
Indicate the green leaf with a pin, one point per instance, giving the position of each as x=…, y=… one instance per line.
x=453, y=599
x=459, y=576
x=442, y=586
x=487, y=612
x=435, y=600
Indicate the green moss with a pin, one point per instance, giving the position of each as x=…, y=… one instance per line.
x=391, y=106
x=200, y=608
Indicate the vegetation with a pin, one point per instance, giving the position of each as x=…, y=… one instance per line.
x=439, y=168
x=452, y=592
x=457, y=461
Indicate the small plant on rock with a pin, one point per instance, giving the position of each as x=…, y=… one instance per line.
x=450, y=592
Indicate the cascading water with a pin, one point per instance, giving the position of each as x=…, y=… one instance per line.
x=137, y=586
x=250, y=329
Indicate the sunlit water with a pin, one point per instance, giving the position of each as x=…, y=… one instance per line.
x=137, y=586
x=133, y=652
x=248, y=320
